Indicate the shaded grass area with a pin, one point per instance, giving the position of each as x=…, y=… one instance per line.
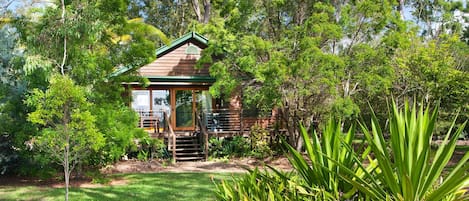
x=154, y=186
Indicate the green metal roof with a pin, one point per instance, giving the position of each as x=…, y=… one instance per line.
x=193, y=79
x=197, y=38
x=191, y=36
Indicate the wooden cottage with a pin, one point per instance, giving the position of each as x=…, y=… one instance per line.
x=177, y=105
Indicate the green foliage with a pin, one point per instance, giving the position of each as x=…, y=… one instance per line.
x=97, y=177
x=99, y=38
x=238, y=146
x=327, y=154
x=15, y=130
x=314, y=59
x=407, y=169
x=429, y=72
x=264, y=185
x=151, y=148
x=402, y=168
x=117, y=123
x=316, y=177
x=172, y=18
x=256, y=145
x=68, y=126
x=260, y=144
x=36, y=165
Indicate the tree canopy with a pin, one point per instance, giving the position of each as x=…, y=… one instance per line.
x=307, y=59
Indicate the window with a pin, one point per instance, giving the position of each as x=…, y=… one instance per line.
x=141, y=101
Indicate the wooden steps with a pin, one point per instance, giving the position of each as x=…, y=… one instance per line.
x=188, y=148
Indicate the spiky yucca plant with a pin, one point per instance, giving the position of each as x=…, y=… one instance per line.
x=314, y=176
x=402, y=168
x=264, y=185
x=325, y=154
x=407, y=169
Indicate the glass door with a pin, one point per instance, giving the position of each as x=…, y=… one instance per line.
x=183, y=110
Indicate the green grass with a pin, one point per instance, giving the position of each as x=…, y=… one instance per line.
x=155, y=186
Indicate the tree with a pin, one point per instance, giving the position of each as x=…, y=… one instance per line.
x=307, y=59
x=430, y=72
x=90, y=39
x=437, y=17
x=69, y=133
x=174, y=18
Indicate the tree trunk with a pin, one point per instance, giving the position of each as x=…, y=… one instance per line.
x=66, y=163
x=207, y=7
x=400, y=8
x=195, y=6
x=66, y=168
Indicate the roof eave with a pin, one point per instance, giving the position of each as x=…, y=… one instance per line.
x=191, y=35
x=164, y=49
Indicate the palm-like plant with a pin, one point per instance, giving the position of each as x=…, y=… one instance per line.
x=325, y=155
x=264, y=185
x=315, y=176
x=407, y=170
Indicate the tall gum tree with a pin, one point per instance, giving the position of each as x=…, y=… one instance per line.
x=308, y=59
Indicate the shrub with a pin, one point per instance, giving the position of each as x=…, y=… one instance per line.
x=402, y=168
x=407, y=168
x=257, y=145
x=150, y=148
x=264, y=185
x=259, y=138
x=316, y=177
x=216, y=149
x=325, y=154
x=226, y=147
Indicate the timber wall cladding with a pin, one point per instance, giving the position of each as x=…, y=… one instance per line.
x=175, y=63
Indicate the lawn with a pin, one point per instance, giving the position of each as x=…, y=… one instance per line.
x=154, y=186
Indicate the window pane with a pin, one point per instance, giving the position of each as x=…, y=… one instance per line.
x=141, y=100
x=161, y=103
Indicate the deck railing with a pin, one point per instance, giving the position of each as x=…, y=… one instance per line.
x=222, y=120
x=203, y=137
x=171, y=136
x=150, y=119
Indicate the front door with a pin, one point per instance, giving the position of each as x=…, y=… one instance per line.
x=183, y=109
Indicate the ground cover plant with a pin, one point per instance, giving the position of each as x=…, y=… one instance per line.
x=401, y=168
x=154, y=186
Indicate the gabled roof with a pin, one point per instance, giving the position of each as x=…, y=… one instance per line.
x=189, y=37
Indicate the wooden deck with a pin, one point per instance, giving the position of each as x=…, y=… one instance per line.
x=213, y=123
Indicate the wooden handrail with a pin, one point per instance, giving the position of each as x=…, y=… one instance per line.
x=203, y=130
x=172, y=135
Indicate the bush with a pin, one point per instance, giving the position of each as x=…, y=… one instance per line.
x=237, y=146
x=259, y=138
x=38, y=165
x=151, y=148
x=257, y=145
x=264, y=185
x=407, y=168
x=316, y=177
x=402, y=168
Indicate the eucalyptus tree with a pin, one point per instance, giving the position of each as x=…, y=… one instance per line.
x=173, y=18
x=309, y=59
